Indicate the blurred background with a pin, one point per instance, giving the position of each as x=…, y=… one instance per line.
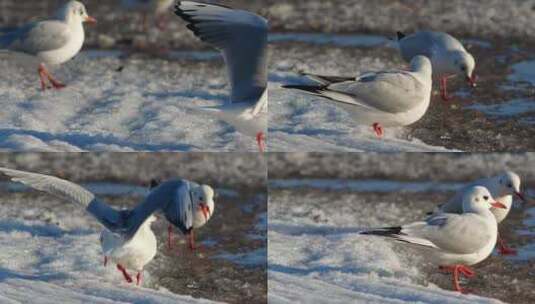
x=319, y=202
x=510, y=19
x=60, y=240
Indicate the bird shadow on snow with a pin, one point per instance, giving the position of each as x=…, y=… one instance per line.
x=40, y=230
x=189, y=94
x=6, y=274
x=85, y=141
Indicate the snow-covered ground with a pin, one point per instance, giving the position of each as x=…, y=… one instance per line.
x=317, y=256
x=51, y=253
x=119, y=103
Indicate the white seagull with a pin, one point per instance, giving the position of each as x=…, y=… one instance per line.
x=242, y=38
x=447, y=54
x=130, y=242
x=201, y=214
x=380, y=99
x=502, y=187
x=51, y=42
x=454, y=241
x=160, y=8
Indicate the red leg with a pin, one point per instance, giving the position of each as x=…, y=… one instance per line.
x=127, y=277
x=444, y=88
x=379, y=131
x=55, y=83
x=169, y=236
x=139, y=278
x=42, y=76
x=503, y=249
x=161, y=22
x=455, y=270
x=191, y=239
x=260, y=140
x=105, y=261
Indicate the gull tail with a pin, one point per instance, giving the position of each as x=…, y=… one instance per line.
x=326, y=80
x=316, y=90
x=386, y=231
x=400, y=35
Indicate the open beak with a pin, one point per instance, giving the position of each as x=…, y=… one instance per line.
x=520, y=196
x=472, y=80
x=90, y=20
x=205, y=210
x=498, y=205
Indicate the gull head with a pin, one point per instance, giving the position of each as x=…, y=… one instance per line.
x=75, y=12
x=465, y=64
x=509, y=184
x=479, y=200
x=203, y=202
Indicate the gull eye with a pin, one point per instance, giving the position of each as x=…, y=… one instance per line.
x=200, y=198
x=486, y=198
x=81, y=12
x=463, y=68
x=510, y=185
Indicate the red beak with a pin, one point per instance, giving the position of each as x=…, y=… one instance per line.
x=520, y=196
x=90, y=20
x=472, y=80
x=205, y=210
x=498, y=205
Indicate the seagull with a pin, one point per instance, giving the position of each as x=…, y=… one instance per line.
x=242, y=38
x=159, y=7
x=447, y=54
x=175, y=198
x=380, y=99
x=51, y=42
x=454, y=241
x=502, y=187
x=200, y=217
x=132, y=253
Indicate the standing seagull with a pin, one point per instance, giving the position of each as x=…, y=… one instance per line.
x=160, y=8
x=447, y=54
x=51, y=42
x=199, y=217
x=502, y=187
x=130, y=224
x=242, y=38
x=380, y=99
x=454, y=241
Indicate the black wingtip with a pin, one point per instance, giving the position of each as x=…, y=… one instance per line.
x=312, y=89
x=154, y=183
x=401, y=35
x=387, y=231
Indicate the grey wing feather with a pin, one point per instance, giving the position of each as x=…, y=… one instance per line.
x=391, y=92
x=242, y=37
x=420, y=43
x=162, y=197
x=461, y=234
x=69, y=191
x=37, y=37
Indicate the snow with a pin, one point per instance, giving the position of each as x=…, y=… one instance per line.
x=506, y=109
x=47, y=260
x=523, y=72
x=316, y=254
x=115, y=102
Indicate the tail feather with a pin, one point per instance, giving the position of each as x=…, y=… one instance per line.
x=326, y=80
x=386, y=231
x=310, y=89
x=401, y=35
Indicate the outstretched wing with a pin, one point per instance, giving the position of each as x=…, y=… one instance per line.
x=241, y=36
x=63, y=189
